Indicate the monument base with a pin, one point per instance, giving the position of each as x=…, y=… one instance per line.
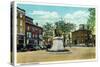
x=65, y=50
x=57, y=45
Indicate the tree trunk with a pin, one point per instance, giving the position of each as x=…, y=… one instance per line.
x=64, y=36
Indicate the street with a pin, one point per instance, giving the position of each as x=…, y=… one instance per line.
x=76, y=53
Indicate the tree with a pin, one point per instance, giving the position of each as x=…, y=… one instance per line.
x=65, y=28
x=48, y=30
x=91, y=20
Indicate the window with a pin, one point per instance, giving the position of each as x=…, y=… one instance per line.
x=21, y=15
x=20, y=30
x=29, y=34
x=35, y=42
x=33, y=35
x=40, y=36
x=28, y=27
x=33, y=29
x=21, y=22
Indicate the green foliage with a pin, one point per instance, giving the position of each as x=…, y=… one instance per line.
x=48, y=30
x=91, y=20
x=65, y=27
x=61, y=26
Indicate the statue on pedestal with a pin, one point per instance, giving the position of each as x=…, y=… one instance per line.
x=57, y=41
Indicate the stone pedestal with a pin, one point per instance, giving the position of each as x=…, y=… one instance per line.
x=57, y=44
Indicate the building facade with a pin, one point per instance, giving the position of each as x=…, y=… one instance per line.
x=28, y=30
x=81, y=37
x=37, y=35
x=20, y=28
x=28, y=34
x=33, y=34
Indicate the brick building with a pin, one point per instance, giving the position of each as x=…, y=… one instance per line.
x=33, y=33
x=28, y=34
x=80, y=36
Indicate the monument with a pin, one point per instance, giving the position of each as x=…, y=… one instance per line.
x=57, y=42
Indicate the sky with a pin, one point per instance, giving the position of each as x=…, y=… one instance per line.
x=48, y=13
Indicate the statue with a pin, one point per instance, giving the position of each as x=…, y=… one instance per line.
x=57, y=41
x=57, y=33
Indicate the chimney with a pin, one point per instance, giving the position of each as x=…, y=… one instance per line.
x=81, y=26
x=37, y=24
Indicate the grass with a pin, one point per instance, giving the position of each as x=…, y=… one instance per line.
x=77, y=53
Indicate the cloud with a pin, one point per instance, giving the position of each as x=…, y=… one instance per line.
x=40, y=12
x=45, y=16
x=77, y=17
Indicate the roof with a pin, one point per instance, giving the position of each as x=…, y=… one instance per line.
x=37, y=26
x=20, y=9
x=34, y=25
x=82, y=30
x=28, y=20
